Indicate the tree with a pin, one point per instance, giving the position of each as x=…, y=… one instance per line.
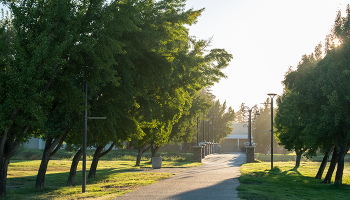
x=51, y=55
x=240, y=115
x=166, y=98
x=111, y=98
x=186, y=128
x=38, y=58
x=319, y=89
x=222, y=118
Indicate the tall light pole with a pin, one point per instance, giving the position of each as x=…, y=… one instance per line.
x=250, y=123
x=255, y=114
x=84, y=137
x=208, y=131
x=250, y=148
x=203, y=130
x=197, y=131
x=213, y=131
x=85, y=90
x=272, y=95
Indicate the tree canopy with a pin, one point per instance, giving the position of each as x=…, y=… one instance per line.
x=312, y=113
x=144, y=73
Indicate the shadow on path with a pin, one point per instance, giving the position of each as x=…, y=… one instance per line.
x=216, y=179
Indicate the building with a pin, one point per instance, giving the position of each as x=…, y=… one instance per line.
x=35, y=143
x=38, y=143
x=236, y=139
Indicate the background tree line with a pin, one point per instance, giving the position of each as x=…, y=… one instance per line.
x=145, y=73
x=261, y=125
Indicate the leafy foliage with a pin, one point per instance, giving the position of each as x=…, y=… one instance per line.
x=312, y=112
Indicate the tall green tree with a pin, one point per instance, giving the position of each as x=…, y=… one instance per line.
x=222, y=119
x=166, y=98
x=241, y=116
x=56, y=43
x=319, y=90
x=39, y=56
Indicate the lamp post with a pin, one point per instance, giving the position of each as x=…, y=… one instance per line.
x=197, y=131
x=212, y=132
x=208, y=142
x=255, y=118
x=209, y=131
x=250, y=148
x=250, y=123
x=203, y=130
x=85, y=90
x=271, y=95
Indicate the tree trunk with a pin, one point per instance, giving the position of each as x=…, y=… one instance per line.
x=40, y=178
x=323, y=164
x=3, y=174
x=297, y=159
x=73, y=168
x=97, y=156
x=93, y=167
x=342, y=151
x=8, y=146
x=142, y=150
x=154, y=150
x=331, y=167
x=184, y=147
x=51, y=147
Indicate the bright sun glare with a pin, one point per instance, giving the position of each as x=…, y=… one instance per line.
x=336, y=42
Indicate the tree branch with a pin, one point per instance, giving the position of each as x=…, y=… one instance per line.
x=107, y=151
x=53, y=76
x=5, y=132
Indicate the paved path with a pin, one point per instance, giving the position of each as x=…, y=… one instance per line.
x=216, y=179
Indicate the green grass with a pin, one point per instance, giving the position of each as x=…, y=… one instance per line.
x=288, y=182
x=122, y=154
x=110, y=182
x=291, y=157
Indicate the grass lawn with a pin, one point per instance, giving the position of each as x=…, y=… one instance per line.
x=287, y=182
x=110, y=181
x=291, y=157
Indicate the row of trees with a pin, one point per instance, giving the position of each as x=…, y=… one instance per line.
x=145, y=74
x=313, y=111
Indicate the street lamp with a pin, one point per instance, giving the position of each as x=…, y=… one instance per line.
x=85, y=90
x=271, y=95
x=203, y=130
x=209, y=131
x=250, y=123
x=197, y=131
x=213, y=129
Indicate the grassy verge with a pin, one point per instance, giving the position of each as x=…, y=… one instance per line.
x=291, y=157
x=122, y=154
x=110, y=181
x=287, y=182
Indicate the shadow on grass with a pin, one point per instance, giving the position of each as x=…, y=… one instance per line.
x=108, y=181
x=278, y=184
x=59, y=179
x=277, y=170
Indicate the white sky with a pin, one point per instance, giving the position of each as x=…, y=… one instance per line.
x=265, y=37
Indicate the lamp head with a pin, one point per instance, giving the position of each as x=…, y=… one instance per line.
x=272, y=95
